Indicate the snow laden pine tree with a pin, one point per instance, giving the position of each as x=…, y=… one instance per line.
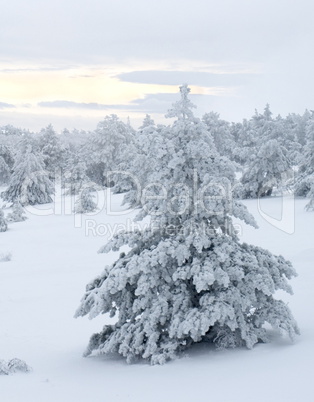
x=4, y=172
x=17, y=214
x=29, y=181
x=6, y=164
x=221, y=133
x=75, y=177
x=106, y=148
x=187, y=278
x=141, y=163
x=270, y=169
x=85, y=202
x=310, y=205
x=3, y=222
x=6, y=154
x=305, y=179
x=51, y=150
x=246, y=146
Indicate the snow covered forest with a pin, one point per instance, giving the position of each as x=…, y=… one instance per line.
x=194, y=272
x=269, y=154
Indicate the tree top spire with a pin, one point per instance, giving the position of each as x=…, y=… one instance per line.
x=182, y=108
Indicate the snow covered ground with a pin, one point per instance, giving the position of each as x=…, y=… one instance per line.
x=54, y=257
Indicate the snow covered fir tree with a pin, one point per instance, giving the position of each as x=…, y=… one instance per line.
x=51, y=150
x=310, y=205
x=29, y=182
x=141, y=161
x=17, y=214
x=269, y=169
x=3, y=222
x=6, y=164
x=4, y=172
x=187, y=278
x=75, y=177
x=305, y=177
x=85, y=202
x=106, y=147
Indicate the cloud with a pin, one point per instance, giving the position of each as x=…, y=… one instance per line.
x=158, y=103
x=176, y=39
x=7, y=68
x=151, y=103
x=73, y=105
x=4, y=105
x=99, y=31
x=190, y=77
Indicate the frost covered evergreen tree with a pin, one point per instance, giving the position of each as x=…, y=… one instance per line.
x=75, y=177
x=106, y=148
x=263, y=124
x=220, y=131
x=6, y=154
x=73, y=139
x=141, y=161
x=4, y=172
x=52, y=151
x=122, y=180
x=17, y=214
x=269, y=169
x=3, y=222
x=29, y=181
x=305, y=177
x=85, y=202
x=148, y=122
x=6, y=164
x=290, y=130
x=187, y=278
x=246, y=146
x=310, y=205
x=257, y=131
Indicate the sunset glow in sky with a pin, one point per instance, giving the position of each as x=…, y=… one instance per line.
x=70, y=63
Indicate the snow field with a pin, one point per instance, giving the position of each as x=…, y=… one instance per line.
x=40, y=289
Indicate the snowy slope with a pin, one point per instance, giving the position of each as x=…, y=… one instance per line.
x=40, y=289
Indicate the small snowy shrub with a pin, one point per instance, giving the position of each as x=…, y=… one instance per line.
x=5, y=257
x=17, y=214
x=4, y=368
x=13, y=366
x=85, y=202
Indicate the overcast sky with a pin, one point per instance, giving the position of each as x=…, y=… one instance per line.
x=71, y=62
